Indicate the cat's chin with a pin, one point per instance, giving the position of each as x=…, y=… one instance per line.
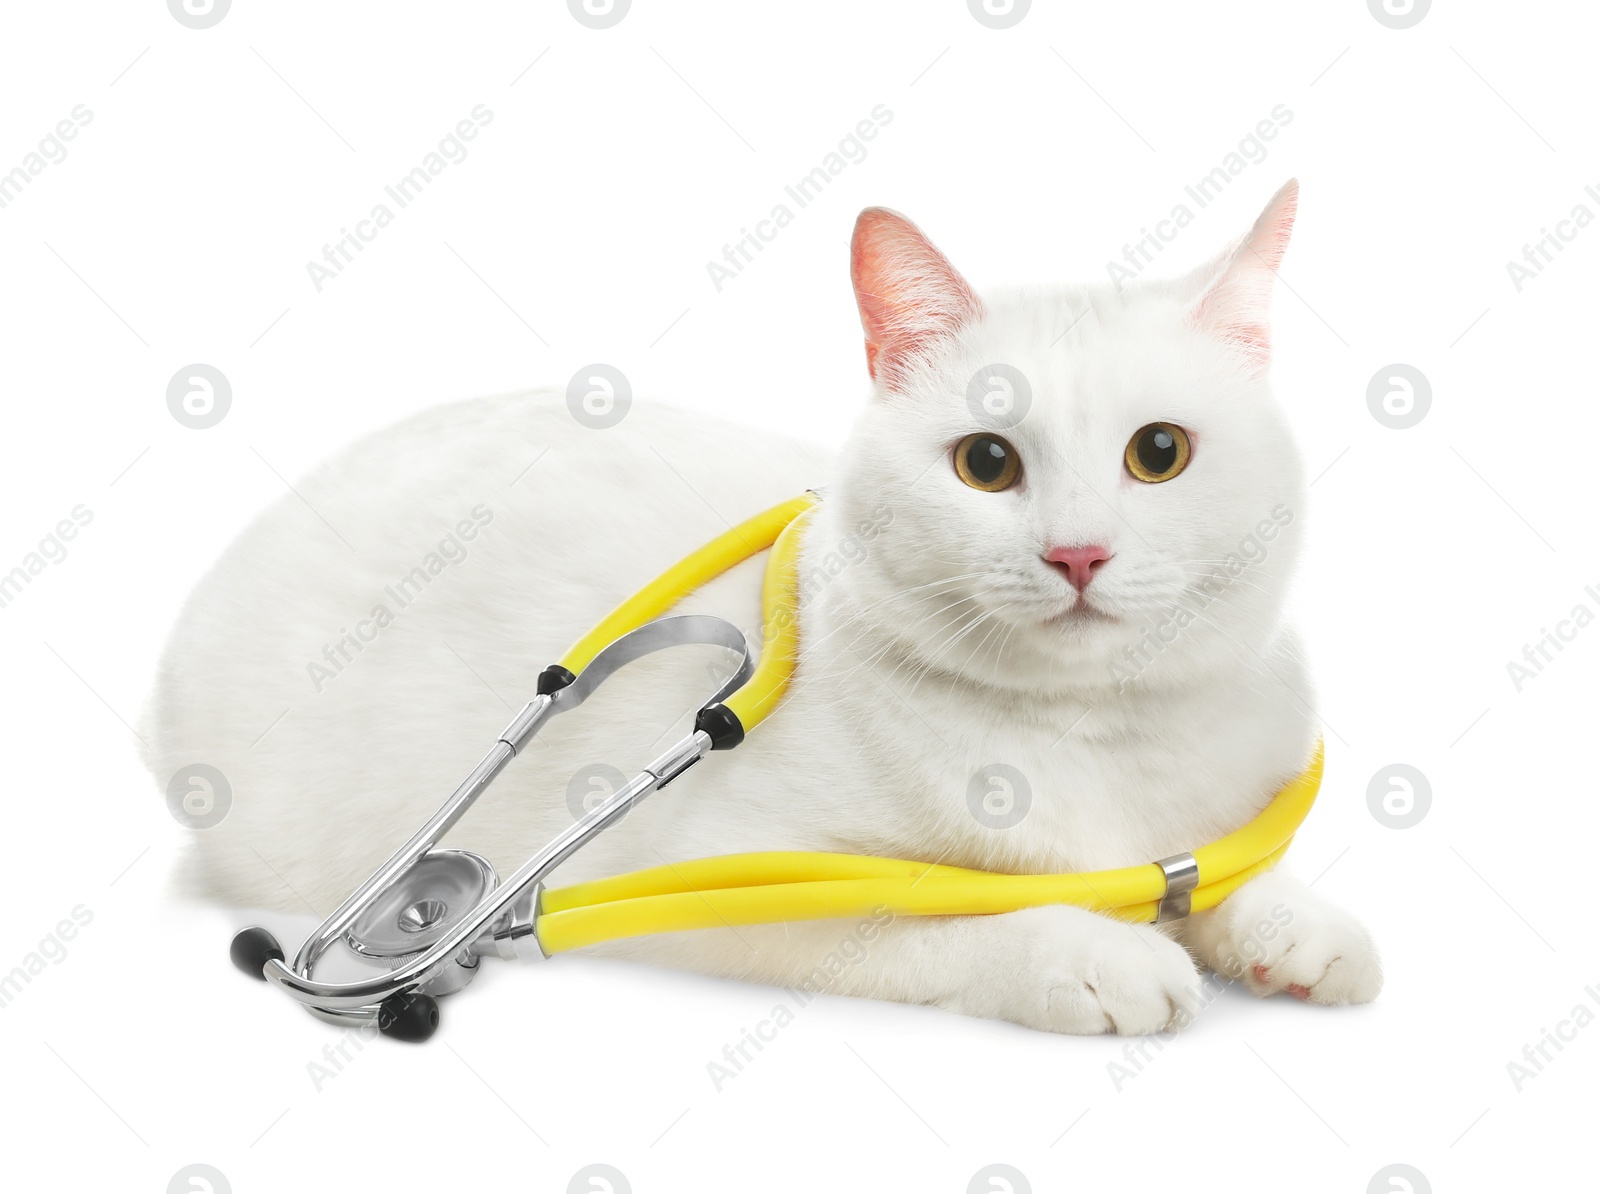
x=1082, y=617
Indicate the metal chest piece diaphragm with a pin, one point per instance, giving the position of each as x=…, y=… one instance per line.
x=421, y=908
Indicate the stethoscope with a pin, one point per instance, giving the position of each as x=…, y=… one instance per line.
x=429, y=916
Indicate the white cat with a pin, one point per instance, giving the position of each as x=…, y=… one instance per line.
x=1081, y=581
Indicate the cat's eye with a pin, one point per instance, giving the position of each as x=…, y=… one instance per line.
x=1157, y=452
x=987, y=462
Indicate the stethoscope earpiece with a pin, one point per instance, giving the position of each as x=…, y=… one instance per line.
x=252, y=949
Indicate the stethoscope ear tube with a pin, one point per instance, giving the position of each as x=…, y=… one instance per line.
x=502, y=919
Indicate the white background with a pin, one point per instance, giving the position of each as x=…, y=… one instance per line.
x=219, y=162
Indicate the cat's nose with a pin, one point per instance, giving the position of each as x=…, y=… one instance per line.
x=1078, y=564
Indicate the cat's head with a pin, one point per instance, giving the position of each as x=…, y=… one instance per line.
x=1079, y=487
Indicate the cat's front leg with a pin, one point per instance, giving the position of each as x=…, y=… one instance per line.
x=1276, y=934
x=1055, y=968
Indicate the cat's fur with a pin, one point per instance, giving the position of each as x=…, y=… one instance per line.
x=936, y=642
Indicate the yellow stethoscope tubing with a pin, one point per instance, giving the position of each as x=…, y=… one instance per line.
x=775, y=886
x=977, y=893
x=780, y=618
x=1269, y=830
x=762, y=691
x=745, y=889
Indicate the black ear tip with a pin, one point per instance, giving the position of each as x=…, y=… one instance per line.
x=412, y=1017
x=252, y=949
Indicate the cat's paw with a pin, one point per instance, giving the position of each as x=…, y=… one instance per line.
x=1276, y=935
x=1090, y=975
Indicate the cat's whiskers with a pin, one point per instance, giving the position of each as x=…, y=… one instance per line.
x=916, y=591
x=999, y=625
x=1228, y=580
x=955, y=675
x=857, y=616
x=890, y=642
x=1252, y=658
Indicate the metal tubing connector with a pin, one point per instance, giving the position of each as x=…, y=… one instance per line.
x=1183, y=876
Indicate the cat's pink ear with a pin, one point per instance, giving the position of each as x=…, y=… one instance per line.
x=1236, y=300
x=909, y=294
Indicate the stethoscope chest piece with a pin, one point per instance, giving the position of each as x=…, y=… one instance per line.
x=420, y=909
